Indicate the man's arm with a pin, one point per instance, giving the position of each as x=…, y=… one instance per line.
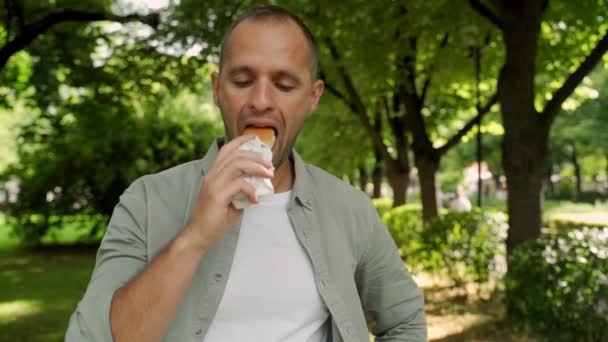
x=388, y=292
x=128, y=300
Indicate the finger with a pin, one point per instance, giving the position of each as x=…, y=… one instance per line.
x=244, y=168
x=242, y=156
x=234, y=144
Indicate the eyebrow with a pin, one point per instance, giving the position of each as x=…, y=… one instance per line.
x=243, y=69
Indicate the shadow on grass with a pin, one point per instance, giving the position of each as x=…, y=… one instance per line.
x=454, y=314
x=39, y=289
x=488, y=331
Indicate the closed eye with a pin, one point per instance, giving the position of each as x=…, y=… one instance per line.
x=242, y=84
x=284, y=87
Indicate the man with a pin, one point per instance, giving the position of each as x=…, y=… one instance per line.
x=179, y=262
x=461, y=202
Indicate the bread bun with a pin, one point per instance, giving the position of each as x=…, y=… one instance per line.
x=266, y=134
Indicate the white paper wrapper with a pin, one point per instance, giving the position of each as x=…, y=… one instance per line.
x=263, y=186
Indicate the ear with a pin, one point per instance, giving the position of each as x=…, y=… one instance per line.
x=215, y=83
x=317, y=90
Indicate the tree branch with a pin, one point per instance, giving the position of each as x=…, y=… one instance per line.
x=486, y=12
x=398, y=129
x=427, y=82
x=355, y=103
x=552, y=108
x=33, y=30
x=455, y=139
x=333, y=90
x=9, y=19
x=18, y=8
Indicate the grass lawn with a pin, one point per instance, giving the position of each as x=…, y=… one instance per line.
x=39, y=290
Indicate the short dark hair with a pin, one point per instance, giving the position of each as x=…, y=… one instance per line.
x=266, y=12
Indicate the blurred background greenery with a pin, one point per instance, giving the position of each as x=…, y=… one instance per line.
x=96, y=93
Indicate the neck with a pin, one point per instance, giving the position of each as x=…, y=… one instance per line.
x=284, y=176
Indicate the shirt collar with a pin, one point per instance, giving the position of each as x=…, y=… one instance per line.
x=303, y=184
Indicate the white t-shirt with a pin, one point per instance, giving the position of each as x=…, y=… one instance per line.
x=461, y=204
x=270, y=293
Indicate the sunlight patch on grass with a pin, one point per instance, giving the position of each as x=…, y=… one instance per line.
x=600, y=218
x=442, y=326
x=12, y=311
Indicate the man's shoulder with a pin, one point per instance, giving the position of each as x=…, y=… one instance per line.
x=176, y=178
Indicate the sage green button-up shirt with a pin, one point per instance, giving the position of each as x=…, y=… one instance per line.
x=358, y=270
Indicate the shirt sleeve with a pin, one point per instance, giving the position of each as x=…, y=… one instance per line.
x=121, y=255
x=389, y=295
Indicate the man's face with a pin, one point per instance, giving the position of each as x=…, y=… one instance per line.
x=265, y=81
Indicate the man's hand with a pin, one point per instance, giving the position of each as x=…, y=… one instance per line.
x=214, y=212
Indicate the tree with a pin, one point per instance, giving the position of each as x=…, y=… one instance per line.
x=113, y=104
x=578, y=136
x=424, y=67
x=526, y=140
x=25, y=21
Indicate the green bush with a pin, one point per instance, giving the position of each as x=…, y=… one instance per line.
x=383, y=205
x=34, y=229
x=566, y=190
x=82, y=168
x=465, y=246
x=405, y=225
x=558, y=285
x=592, y=197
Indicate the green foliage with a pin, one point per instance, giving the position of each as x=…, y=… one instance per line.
x=464, y=245
x=405, y=225
x=383, y=205
x=335, y=129
x=79, y=163
x=34, y=229
x=558, y=285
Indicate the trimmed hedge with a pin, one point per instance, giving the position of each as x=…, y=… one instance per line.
x=558, y=223
x=558, y=285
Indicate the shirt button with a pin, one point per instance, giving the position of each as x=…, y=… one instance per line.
x=198, y=331
x=218, y=276
x=323, y=283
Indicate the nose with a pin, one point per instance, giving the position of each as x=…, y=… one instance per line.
x=260, y=100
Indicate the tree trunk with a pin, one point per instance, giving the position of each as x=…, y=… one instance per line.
x=399, y=180
x=363, y=179
x=525, y=143
x=377, y=177
x=524, y=162
x=577, y=174
x=427, y=176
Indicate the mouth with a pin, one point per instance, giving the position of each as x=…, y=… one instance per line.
x=261, y=123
